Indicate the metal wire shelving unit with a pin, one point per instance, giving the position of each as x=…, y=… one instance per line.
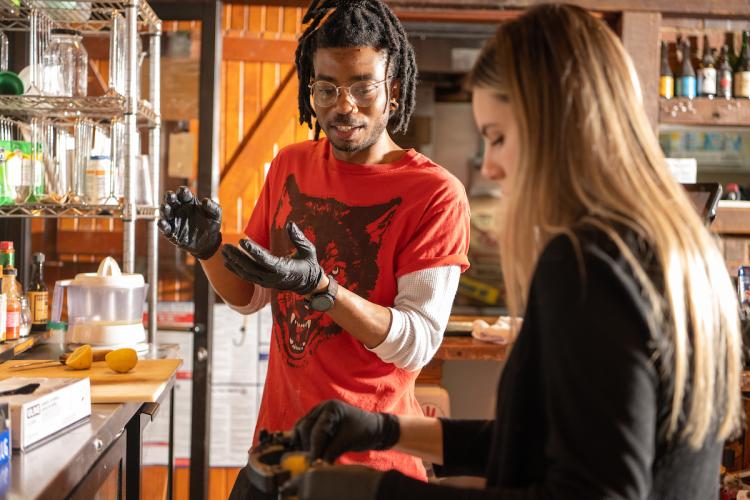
x=96, y=18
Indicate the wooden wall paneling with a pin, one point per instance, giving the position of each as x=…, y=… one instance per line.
x=257, y=146
x=256, y=20
x=640, y=36
x=233, y=117
x=223, y=116
x=291, y=20
x=274, y=22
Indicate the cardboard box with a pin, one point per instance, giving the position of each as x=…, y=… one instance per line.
x=55, y=405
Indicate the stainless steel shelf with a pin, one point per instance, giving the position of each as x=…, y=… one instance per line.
x=67, y=108
x=77, y=211
x=90, y=17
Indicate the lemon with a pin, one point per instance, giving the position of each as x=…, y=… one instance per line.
x=295, y=462
x=122, y=360
x=81, y=358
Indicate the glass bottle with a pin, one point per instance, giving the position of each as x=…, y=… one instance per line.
x=731, y=54
x=13, y=306
x=666, y=77
x=742, y=71
x=25, y=319
x=707, y=72
x=7, y=254
x=685, y=85
x=38, y=295
x=724, y=74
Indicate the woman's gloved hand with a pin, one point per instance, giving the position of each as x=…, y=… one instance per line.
x=353, y=482
x=299, y=273
x=334, y=427
x=191, y=225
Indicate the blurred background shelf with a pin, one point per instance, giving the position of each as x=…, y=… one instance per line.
x=87, y=16
x=725, y=112
x=78, y=211
x=101, y=108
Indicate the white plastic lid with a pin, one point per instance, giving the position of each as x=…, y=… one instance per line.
x=109, y=274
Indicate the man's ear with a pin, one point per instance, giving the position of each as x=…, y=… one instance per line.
x=395, y=88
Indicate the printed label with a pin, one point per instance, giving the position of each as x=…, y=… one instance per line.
x=12, y=320
x=742, y=84
x=686, y=86
x=707, y=81
x=38, y=302
x=666, y=87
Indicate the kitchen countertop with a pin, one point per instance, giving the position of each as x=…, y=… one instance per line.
x=55, y=467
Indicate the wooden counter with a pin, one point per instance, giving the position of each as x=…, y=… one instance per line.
x=456, y=348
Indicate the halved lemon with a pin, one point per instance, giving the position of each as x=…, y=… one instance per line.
x=81, y=358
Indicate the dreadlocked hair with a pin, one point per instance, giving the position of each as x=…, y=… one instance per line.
x=357, y=23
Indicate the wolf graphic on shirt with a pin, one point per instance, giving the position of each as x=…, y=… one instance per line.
x=347, y=241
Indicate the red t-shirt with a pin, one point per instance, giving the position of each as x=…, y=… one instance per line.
x=370, y=224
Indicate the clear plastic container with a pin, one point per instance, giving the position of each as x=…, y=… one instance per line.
x=107, y=296
x=65, y=64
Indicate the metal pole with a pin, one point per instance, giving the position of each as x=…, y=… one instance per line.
x=131, y=137
x=208, y=173
x=154, y=154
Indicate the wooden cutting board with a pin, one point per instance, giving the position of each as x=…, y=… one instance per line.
x=144, y=383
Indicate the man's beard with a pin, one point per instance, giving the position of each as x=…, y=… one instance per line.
x=377, y=130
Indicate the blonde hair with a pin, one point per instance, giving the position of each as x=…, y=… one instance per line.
x=588, y=155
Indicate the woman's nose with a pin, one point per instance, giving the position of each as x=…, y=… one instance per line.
x=492, y=170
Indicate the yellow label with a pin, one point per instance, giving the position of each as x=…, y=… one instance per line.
x=666, y=87
x=470, y=287
x=39, y=311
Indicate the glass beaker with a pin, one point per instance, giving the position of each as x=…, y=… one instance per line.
x=66, y=64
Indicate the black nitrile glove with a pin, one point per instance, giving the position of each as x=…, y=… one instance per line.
x=353, y=482
x=334, y=427
x=299, y=273
x=191, y=225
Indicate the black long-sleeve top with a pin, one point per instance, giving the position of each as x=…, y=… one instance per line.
x=582, y=409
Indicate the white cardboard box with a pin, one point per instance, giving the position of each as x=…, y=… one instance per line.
x=56, y=404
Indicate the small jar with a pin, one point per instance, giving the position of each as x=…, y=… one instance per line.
x=25, y=321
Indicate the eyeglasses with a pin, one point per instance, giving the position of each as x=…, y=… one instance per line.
x=363, y=93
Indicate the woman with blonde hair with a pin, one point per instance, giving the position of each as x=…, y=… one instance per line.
x=624, y=380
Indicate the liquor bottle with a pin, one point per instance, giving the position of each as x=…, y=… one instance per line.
x=38, y=295
x=742, y=71
x=731, y=54
x=724, y=74
x=707, y=72
x=666, y=77
x=685, y=85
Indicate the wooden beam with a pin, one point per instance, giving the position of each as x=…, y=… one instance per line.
x=640, y=36
x=730, y=8
x=256, y=147
x=252, y=49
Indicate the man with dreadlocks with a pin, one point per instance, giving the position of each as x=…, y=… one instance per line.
x=356, y=243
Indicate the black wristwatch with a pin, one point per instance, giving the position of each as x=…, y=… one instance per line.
x=323, y=301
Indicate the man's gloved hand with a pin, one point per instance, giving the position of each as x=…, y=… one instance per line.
x=334, y=427
x=299, y=273
x=191, y=225
x=353, y=482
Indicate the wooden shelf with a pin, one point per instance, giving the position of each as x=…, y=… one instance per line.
x=732, y=218
x=707, y=112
